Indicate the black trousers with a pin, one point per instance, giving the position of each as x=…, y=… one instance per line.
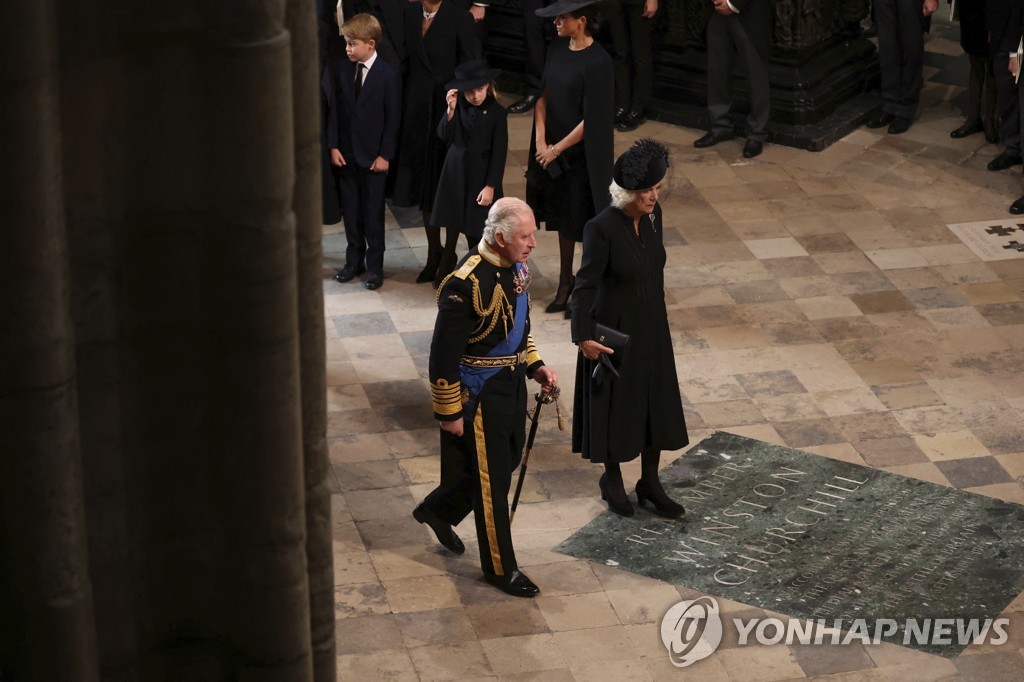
x=630, y=36
x=727, y=39
x=362, y=196
x=900, y=54
x=1007, y=106
x=535, y=36
x=477, y=469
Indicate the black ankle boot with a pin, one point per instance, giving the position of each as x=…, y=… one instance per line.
x=664, y=505
x=621, y=507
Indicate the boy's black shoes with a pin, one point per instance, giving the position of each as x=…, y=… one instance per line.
x=348, y=273
x=444, y=533
x=374, y=280
x=752, y=148
x=515, y=583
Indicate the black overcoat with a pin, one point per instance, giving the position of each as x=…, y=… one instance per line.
x=477, y=139
x=429, y=65
x=621, y=284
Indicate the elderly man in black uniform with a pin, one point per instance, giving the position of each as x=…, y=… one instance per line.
x=480, y=358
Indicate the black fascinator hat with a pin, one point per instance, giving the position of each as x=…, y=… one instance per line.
x=641, y=166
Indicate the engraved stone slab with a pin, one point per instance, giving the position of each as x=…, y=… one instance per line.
x=992, y=240
x=816, y=538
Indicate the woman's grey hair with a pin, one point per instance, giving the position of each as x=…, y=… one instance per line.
x=504, y=217
x=620, y=195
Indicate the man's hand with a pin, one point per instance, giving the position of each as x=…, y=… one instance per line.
x=336, y=158
x=592, y=349
x=650, y=9
x=929, y=8
x=478, y=12
x=379, y=165
x=722, y=7
x=1013, y=66
x=546, y=377
x=453, y=427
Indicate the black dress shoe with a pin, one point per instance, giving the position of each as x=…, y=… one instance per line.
x=444, y=533
x=968, y=128
x=620, y=114
x=622, y=508
x=1004, y=161
x=631, y=122
x=348, y=273
x=881, y=120
x=1017, y=207
x=752, y=148
x=899, y=125
x=373, y=280
x=515, y=583
x=712, y=138
x=523, y=105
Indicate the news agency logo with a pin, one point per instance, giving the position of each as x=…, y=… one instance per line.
x=691, y=631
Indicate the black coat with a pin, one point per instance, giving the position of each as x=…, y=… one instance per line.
x=756, y=18
x=621, y=284
x=429, y=65
x=477, y=139
x=1002, y=20
x=363, y=129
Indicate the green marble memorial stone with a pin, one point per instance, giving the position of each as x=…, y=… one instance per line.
x=816, y=538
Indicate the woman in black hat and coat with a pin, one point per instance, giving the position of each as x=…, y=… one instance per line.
x=475, y=128
x=629, y=406
x=572, y=148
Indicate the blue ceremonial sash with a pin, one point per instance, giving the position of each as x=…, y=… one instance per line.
x=474, y=378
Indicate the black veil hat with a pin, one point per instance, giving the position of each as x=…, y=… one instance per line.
x=641, y=166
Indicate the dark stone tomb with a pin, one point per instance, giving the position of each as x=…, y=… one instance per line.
x=817, y=538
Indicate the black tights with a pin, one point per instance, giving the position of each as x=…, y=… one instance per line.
x=650, y=459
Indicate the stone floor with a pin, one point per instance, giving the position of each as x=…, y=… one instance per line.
x=817, y=300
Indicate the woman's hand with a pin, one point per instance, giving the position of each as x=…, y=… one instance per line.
x=592, y=349
x=650, y=9
x=486, y=196
x=547, y=155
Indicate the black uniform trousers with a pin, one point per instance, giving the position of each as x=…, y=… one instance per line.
x=477, y=468
x=362, y=197
x=728, y=38
x=900, y=54
x=630, y=35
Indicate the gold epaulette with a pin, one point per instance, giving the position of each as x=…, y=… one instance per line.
x=467, y=267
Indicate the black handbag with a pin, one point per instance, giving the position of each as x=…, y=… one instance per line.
x=614, y=339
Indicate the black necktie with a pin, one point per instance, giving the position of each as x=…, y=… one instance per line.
x=360, y=68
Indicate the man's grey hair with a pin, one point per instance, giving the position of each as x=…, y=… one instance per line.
x=620, y=195
x=504, y=217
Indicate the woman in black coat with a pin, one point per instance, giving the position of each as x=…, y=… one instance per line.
x=438, y=36
x=620, y=284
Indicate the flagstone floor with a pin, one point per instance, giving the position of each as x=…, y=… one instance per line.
x=817, y=300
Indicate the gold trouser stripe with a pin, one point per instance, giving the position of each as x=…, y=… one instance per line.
x=485, y=490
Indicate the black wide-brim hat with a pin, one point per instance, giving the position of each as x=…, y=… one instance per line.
x=641, y=166
x=563, y=7
x=472, y=74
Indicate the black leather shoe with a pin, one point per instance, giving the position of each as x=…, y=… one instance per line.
x=523, y=105
x=515, y=583
x=899, y=125
x=712, y=138
x=881, y=121
x=444, y=533
x=620, y=114
x=631, y=122
x=1017, y=207
x=348, y=273
x=968, y=128
x=373, y=280
x=619, y=507
x=664, y=506
x=752, y=148
x=1004, y=161
x=991, y=136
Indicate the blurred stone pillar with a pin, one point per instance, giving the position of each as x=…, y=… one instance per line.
x=195, y=323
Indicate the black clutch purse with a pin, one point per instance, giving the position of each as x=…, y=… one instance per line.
x=614, y=339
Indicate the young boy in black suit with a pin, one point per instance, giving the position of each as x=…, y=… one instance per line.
x=363, y=121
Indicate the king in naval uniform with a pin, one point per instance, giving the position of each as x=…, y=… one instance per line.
x=480, y=358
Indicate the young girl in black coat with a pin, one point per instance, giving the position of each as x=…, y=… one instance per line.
x=476, y=131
